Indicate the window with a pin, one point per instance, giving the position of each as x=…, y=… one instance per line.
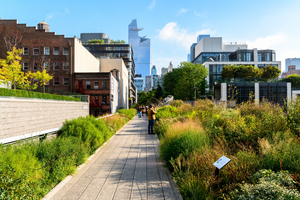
x=56, y=51
x=259, y=57
x=46, y=66
x=36, y=51
x=25, y=51
x=66, y=81
x=88, y=85
x=66, y=65
x=25, y=66
x=56, y=65
x=56, y=81
x=104, y=100
x=46, y=50
x=104, y=85
x=96, y=85
x=66, y=51
x=35, y=66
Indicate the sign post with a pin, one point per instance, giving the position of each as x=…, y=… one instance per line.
x=219, y=164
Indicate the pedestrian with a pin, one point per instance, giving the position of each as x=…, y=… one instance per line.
x=139, y=111
x=151, y=119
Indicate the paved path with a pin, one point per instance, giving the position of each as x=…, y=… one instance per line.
x=128, y=167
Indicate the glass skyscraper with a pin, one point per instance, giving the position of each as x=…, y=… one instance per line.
x=141, y=49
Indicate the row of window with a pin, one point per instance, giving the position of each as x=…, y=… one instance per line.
x=56, y=81
x=96, y=85
x=56, y=66
x=36, y=51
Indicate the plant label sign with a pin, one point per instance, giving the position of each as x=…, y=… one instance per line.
x=221, y=162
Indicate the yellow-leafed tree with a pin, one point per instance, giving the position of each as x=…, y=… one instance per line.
x=43, y=77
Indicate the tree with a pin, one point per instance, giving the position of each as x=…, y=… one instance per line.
x=10, y=70
x=293, y=79
x=241, y=71
x=159, y=91
x=269, y=72
x=44, y=71
x=12, y=39
x=182, y=81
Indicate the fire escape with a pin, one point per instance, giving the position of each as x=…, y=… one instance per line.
x=80, y=89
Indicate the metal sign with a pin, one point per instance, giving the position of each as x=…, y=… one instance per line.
x=85, y=107
x=221, y=162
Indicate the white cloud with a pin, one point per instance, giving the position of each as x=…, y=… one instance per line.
x=152, y=5
x=49, y=16
x=199, y=14
x=181, y=11
x=268, y=41
x=174, y=34
x=67, y=10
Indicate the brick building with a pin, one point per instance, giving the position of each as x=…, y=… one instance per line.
x=41, y=47
x=102, y=89
x=291, y=70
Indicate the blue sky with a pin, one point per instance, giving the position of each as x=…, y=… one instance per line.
x=173, y=25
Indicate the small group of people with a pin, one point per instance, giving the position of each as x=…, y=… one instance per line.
x=151, y=116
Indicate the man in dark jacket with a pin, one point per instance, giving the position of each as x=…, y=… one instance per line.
x=151, y=118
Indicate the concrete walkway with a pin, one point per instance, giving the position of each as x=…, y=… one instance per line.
x=128, y=167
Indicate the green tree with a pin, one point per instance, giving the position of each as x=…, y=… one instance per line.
x=241, y=71
x=228, y=71
x=11, y=70
x=269, y=72
x=293, y=79
x=159, y=91
x=182, y=81
x=145, y=98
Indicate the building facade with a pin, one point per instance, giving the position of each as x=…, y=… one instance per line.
x=292, y=61
x=139, y=83
x=291, y=70
x=116, y=51
x=214, y=55
x=148, y=84
x=141, y=49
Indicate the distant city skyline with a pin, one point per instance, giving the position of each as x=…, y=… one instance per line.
x=172, y=27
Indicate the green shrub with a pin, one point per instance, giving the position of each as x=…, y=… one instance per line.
x=115, y=122
x=182, y=138
x=166, y=112
x=268, y=185
x=176, y=103
x=86, y=130
x=38, y=95
x=128, y=112
x=185, y=109
x=293, y=116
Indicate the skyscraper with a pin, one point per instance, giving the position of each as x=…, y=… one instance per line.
x=141, y=49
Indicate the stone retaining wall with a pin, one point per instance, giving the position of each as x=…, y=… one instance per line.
x=19, y=116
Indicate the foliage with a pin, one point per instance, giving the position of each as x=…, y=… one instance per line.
x=38, y=95
x=147, y=98
x=97, y=41
x=250, y=71
x=43, y=77
x=293, y=115
x=181, y=82
x=176, y=103
x=269, y=185
x=294, y=79
x=159, y=92
x=128, y=112
x=166, y=112
x=182, y=138
x=117, y=42
x=11, y=70
x=269, y=72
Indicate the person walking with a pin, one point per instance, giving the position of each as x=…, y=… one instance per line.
x=139, y=111
x=151, y=119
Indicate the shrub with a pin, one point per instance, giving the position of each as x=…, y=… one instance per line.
x=185, y=109
x=115, y=122
x=38, y=95
x=268, y=185
x=166, y=112
x=128, y=112
x=182, y=138
x=86, y=130
x=293, y=116
x=176, y=103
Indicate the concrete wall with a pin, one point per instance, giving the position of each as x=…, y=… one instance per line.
x=19, y=116
x=84, y=60
x=209, y=44
x=108, y=65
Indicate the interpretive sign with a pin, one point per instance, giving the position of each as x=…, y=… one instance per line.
x=221, y=162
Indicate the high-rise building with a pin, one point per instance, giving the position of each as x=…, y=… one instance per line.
x=164, y=70
x=139, y=83
x=292, y=61
x=170, y=68
x=214, y=55
x=148, y=83
x=153, y=70
x=141, y=49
